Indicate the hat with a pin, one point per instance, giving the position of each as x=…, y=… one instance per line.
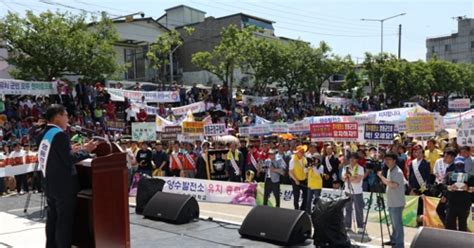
x=272, y=151
x=158, y=142
x=459, y=160
x=301, y=148
x=314, y=156
x=417, y=147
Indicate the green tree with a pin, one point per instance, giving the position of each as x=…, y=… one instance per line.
x=295, y=65
x=467, y=79
x=159, y=52
x=445, y=78
x=227, y=56
x=323, y=66
x=53, y=44
x=260, y=61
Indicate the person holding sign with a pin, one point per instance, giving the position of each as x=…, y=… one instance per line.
x=234, y=163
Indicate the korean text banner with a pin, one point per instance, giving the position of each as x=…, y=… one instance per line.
x=214, y=129
x=150, y=96
x=379, y=133
x=419, y=126
x=143, y=131
x=20, y=87
x=212, y=191
x=465, y=135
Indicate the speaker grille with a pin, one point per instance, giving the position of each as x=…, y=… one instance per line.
x=173, y=208
x=432, y=237
x=282, y=226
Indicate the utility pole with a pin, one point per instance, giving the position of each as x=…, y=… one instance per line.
x=381, y=26
x=399, y=41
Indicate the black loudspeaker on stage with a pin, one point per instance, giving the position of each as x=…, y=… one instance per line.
x=173, y=208
x=146, y=189
x=433, y=237
x=276, y=225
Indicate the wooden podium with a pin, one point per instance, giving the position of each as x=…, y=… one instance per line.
x=102, y=216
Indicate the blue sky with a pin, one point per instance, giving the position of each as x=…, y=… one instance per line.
x=335, y=21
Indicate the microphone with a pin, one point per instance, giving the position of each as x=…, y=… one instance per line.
x=82, y=131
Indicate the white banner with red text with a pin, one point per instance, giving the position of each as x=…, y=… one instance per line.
x=212, y=191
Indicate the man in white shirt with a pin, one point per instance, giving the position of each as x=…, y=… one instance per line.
x=18, y=158
x=440, y=167
x=353, y=176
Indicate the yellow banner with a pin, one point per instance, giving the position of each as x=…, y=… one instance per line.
x=193, y=127
x=421, y=125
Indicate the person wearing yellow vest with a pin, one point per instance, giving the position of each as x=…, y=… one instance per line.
x=432, y=154
x=298, y=176
x=314, y=171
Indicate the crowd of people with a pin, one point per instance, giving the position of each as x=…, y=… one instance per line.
x=438, y=169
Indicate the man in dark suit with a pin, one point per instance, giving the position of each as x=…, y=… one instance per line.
x=56, y=159
x=331, y=168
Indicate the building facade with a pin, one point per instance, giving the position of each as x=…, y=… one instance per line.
x=457, y=47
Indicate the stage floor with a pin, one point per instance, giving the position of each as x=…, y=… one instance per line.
x=27, y=230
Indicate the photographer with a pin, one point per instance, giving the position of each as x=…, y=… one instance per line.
x=314, y=170
x=273, y=170
x=395, y=197
x=353, y=176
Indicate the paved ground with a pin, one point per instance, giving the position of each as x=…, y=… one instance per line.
x=16, y=225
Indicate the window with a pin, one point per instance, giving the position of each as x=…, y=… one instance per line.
x=433, y=49
x=472, y=44
x=135, y=57
x=447, y=48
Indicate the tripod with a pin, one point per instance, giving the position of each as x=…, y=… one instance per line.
x=381, y=207
x=42, y=201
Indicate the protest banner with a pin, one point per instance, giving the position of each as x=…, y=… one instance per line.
x=150, y=96
x=244, y=131
x=118, y=126
x=278, y=127
x=193, y=127
x=169, y=133
x=454, y=120
x=321, y=132
x=420, y=126
x=346, y=131
x=299, y=127
x=335, y=101
x=20, y=87
x=214, y=129
x=143, y=131
x=459, y=104
x=259, y=130
x=431, y=217
x=189, y=138
x=465, y=136
x=8, y=169
x=212, y=191
x=257, y=100
x=379, y=133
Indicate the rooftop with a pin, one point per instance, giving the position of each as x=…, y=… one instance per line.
x=184, y=6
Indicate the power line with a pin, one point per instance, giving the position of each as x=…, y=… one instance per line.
x=215, y=7
x=335, y=35
x=337, y=18
x=101, y=6
x=344, y=24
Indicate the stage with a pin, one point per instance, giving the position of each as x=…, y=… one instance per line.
x=27, y=230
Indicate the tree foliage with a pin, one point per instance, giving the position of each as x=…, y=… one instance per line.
x=53, y=44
